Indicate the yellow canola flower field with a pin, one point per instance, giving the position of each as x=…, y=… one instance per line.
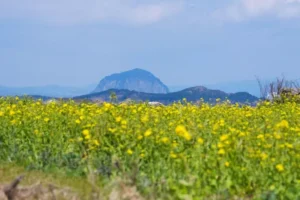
x=181, y=151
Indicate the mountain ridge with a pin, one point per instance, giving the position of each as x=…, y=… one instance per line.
x=192, y=94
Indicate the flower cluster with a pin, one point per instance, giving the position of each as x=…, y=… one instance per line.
x=200, y=150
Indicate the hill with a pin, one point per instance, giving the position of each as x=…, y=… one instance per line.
x=137, y=80
x=191, y=94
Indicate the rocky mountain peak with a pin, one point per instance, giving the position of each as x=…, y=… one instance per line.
x=136, y=80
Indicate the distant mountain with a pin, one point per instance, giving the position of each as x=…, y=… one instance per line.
x=50, y=90
x=177, y=88
x=191, y=94
x=250, y=86
x=135, y=80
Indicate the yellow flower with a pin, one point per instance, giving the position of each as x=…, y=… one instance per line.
x=227, y=164
x=283, y=124
x=107, y=105
x=248, y=114
x=129, y=151
x=112, y=130
x=282, y=146
x=280, y=167
x=220, y=145
x=263, y=156
x=118, y=119
x=1, y=113
x=290, y=146
x=242, y=134
x=165, y=140
x=260, y=136
x=85, y=132
x=96, y=142
x=148, y=133
x=272, y=187
x=140, y=137
x=173, y=155
x=145, y=119
x=200, y=140
x=224, y=137
x=174, y=144
x=221, y=152
x=200, y=126
x=77, y=121
x=181, y=131
x=222, y=122
x=277, y=136
x=46, y=119
x=87, y=137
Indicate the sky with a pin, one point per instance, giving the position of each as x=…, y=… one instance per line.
x=183, y=42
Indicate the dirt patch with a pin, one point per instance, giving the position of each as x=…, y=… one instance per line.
x=123, y=191
x=39, y=191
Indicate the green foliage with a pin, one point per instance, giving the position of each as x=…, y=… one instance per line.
x=113, y=97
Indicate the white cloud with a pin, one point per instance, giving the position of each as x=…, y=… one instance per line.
x=246, y=9
x=85, y=11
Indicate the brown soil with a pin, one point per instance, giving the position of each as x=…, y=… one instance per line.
x=39, y=191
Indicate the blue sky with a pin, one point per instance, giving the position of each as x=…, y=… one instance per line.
x=183, y=42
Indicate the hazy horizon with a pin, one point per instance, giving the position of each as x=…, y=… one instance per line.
x=250, y=86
